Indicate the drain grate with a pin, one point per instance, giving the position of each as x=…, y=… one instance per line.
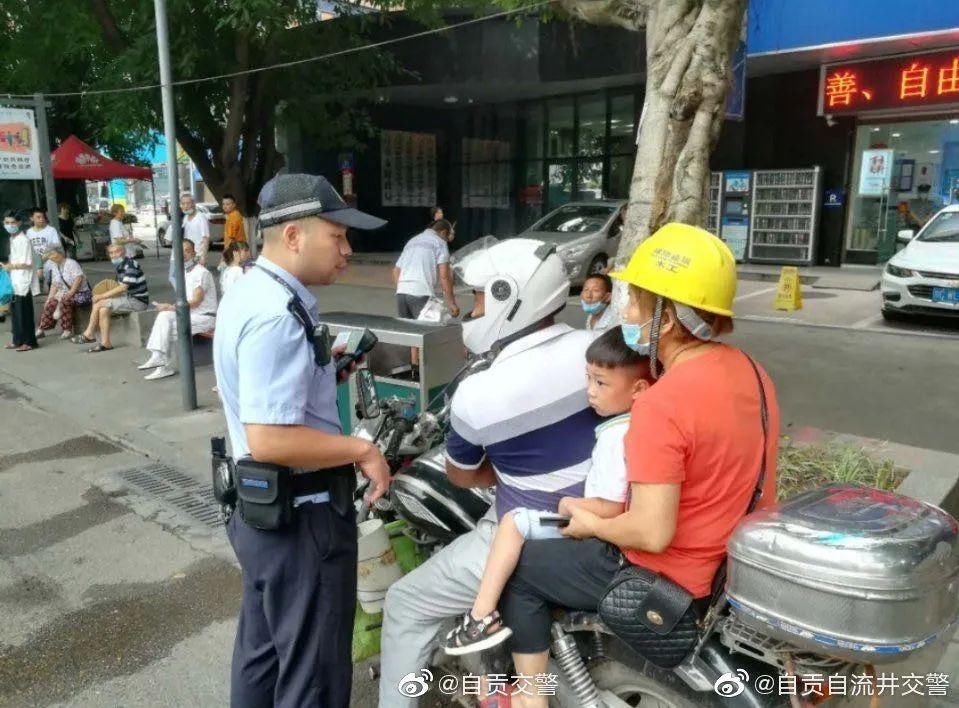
x=176, y=489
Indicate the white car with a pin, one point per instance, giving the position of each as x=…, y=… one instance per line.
x=923, y=278
x=213, y=213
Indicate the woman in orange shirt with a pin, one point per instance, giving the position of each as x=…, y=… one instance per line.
x=694, y=448
x=233, y=229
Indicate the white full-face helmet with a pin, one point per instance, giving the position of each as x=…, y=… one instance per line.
x=524, y=282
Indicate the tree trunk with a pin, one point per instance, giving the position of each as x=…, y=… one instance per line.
x=689, y=50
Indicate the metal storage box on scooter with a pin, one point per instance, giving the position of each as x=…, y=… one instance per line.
x=847, y=571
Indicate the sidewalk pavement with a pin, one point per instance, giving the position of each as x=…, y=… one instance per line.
x=847, y=277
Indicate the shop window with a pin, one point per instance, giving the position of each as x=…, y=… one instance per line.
x=620, y=176
x=589, y=180
x=530, y=194
x=560, y=132
x=533, y=131
x=592, y=125
x=622, y=124
x=560, y=189
x=902, y=174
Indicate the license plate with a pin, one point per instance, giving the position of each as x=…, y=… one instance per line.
x=950, y=295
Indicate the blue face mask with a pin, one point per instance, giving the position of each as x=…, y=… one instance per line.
x=116, y=261
x=188, y=264
x=633, y=335
x=591, y=308
x=12, y=228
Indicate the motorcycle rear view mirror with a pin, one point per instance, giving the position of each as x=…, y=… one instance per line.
x=369, y=403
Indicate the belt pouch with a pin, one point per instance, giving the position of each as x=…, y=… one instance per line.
x=265, y=495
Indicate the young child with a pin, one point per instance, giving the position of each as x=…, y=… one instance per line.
x=616, y=376
x=595, y=297
x=234, y=256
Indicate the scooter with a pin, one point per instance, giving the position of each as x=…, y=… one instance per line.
x=746, y=640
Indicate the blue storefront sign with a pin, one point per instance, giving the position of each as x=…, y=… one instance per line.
x=834, y=198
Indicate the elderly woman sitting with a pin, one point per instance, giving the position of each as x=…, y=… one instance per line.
x=68, y=289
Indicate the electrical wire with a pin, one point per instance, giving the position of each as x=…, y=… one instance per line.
x=288, y=64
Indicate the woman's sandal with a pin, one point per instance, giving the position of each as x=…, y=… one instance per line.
x=475, y=635
x=83, y=339
x=98, y=348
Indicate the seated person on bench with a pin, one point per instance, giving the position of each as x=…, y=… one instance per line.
x=201, y=295
x=130, y=295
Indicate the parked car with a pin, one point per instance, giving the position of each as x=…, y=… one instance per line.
x=216, y=217
x=586, y=235
x=923, y=278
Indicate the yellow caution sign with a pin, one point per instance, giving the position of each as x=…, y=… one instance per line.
x=789, y=293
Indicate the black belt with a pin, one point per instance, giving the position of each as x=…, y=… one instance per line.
x=340, y=482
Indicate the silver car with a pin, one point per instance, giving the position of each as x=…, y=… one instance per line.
x=586, y=235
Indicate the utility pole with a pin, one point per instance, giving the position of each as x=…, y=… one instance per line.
x=46, y=169
x=185, y=335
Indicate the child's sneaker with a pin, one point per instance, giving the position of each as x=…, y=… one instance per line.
x=475, y=635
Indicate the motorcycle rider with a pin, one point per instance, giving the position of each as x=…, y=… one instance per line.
x=694, y=448
x=524, y=424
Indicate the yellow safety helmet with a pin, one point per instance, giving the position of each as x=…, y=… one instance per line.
x=687, y=265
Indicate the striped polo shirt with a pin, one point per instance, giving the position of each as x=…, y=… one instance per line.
x=130, y=274
x=528, y=414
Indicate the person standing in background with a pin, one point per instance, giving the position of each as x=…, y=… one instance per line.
x=42, y=237
x=233, y=229
x=196, y=228
x=121, y=234
x=65, y=220
x=23, y=277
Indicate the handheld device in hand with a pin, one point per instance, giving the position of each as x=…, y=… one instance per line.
x=357, y=344
x=557, y=520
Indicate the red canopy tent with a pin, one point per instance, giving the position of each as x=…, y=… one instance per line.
x=74, y=159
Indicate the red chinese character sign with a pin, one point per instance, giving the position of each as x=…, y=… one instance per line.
x=904, y=82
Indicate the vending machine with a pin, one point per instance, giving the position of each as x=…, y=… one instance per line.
x=734, y=211
x=785, y=219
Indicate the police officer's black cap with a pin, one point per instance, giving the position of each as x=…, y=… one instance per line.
x=296, y=196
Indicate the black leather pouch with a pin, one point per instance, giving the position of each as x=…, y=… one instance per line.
x=264, y=492
x=653, y=615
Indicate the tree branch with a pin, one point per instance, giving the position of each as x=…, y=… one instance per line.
x=239, y=85
x=628, y=14
x=108, y=26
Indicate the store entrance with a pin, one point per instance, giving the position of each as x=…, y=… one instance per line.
x=902, y=174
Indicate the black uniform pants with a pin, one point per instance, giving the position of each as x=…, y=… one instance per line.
x=22, y=321
x=294, y=638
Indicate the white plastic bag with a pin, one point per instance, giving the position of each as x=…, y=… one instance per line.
x=435, y=311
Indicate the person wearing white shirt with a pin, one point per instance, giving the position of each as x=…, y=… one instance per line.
x=196, y=228
x=42, y=237
x=237, y=253
x=23, y=278
x=201, y=295
x=595, y=298
x=120, y=233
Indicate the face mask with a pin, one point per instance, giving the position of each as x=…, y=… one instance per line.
x=117, y=261
x=632, y=336
x=190, y=212
x=188, y=265
x=591, y=308
x=12, y=228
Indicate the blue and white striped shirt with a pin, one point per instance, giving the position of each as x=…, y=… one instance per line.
x=529, y=414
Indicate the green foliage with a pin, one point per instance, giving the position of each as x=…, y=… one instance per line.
x=55, y=46
x=805, y=467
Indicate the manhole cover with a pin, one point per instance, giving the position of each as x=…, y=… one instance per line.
x=176, y=489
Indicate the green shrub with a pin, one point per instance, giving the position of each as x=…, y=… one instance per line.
x=804, y=467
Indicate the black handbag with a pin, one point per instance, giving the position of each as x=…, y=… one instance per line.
x=653, y=615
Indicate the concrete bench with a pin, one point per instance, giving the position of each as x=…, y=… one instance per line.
x=133, y=328
x=203, y=349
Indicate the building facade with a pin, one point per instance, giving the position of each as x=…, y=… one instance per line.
x=501, y=121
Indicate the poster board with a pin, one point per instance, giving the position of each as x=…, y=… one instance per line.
x=875, y=172
x=19, y=152
x=407, y=168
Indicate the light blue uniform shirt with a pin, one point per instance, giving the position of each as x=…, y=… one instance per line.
x=264, y=365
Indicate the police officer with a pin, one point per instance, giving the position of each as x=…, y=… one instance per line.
x=294, y=532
